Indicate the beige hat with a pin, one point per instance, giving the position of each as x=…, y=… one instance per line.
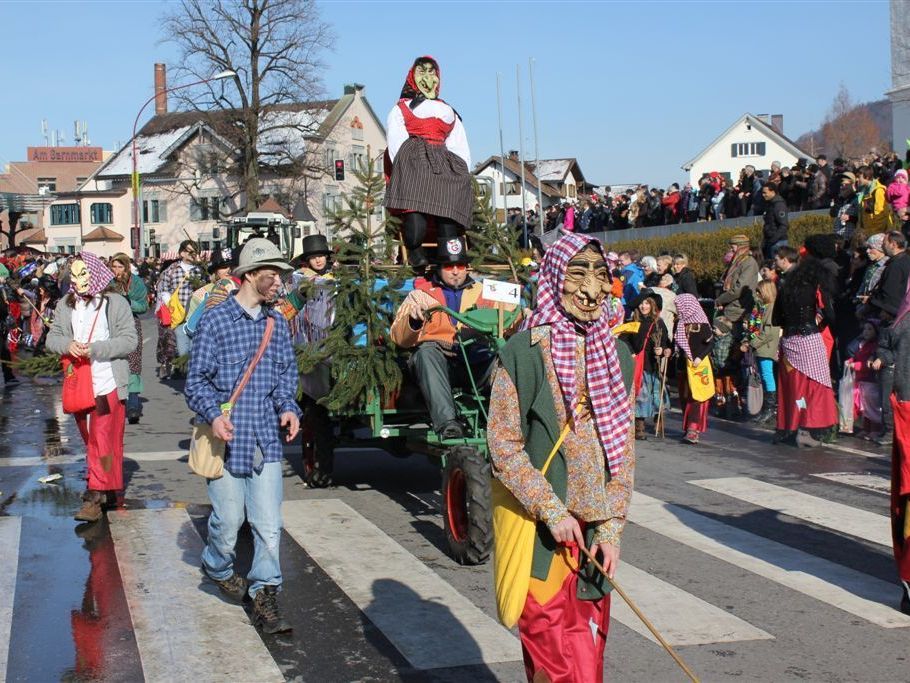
x=259, y=252
x=740, y=241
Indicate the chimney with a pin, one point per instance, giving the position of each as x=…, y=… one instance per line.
x=777, y=123
x=160, y=88
x=513, y=155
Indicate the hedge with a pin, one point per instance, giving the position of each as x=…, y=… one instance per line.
x=706, y=249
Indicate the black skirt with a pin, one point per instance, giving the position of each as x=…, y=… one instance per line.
x=432, y=180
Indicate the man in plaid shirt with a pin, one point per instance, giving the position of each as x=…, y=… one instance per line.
x=186, y=274
x=226, y=341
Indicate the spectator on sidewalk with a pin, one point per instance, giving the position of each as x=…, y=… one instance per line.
x=875, y=214
x=777, y=220
x=685, y=278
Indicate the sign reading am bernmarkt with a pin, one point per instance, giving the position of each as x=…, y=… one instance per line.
x=76, y=154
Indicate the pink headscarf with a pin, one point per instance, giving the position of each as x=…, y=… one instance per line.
x=100, y=275
x=690, y=313
x=609, y=399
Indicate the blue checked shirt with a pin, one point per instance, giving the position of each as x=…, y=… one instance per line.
x=225, y=342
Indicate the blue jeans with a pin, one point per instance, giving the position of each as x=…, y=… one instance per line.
x=257, y=498
x=183, y=341
x=766, y=369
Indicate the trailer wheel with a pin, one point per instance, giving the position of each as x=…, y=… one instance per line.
x=466, y=506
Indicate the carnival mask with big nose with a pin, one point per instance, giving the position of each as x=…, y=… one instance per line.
x=80, y=276
x=427, y=79
x=586, y=285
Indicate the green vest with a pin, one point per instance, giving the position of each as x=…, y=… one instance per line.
x=524, y=363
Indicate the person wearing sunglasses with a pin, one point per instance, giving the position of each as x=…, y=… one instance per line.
x=437, y=363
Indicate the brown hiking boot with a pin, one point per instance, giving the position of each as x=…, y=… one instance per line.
x=266, y=612
x=91, y=507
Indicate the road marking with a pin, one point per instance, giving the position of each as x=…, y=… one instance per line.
x=10, y=528
x=859, y=594
x=870, y=482
x=430, y=623
x=184, y=633
x=856, y=451
x=72, y=459
x=824, y=513
x=680, y=617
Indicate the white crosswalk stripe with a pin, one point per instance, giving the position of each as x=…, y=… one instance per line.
x=183, y=633
x=852, y=591
x=870, y=482
x=825, y=513
x=10, y=529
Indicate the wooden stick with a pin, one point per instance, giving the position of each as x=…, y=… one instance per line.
x=644, y=619
x=659, y=425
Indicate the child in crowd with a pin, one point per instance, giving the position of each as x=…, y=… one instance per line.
x=867, y=400
x=763, y=339
x=768, y=273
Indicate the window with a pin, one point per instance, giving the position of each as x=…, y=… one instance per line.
x=65, y=214
x=357, y=158
x=513, y=187
x=747, y=149
x=80, y=179
x=571, y=191
x=330, y=155
x=46, y=185
x=205, y=209
x=356, y=129
x=331, y=200
x=154, y=211
x=102, y=213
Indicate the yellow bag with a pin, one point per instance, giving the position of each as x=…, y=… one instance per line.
x=513, y=546
x=701, y=380
x=178, y=312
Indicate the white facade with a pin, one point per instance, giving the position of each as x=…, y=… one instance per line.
x=507, y=189
x=72, y=216
x=748, y=142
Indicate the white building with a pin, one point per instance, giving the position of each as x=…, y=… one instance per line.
x=750, y=141
x=900, y=74
x=558, y=179
x=190, y=178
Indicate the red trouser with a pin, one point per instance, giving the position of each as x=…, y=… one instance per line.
x=102, y=431
x=566, y=636
x=900, y=486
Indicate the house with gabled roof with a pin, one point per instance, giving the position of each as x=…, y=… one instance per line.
x=558, y=180
x=190, y=180
x=750, y=141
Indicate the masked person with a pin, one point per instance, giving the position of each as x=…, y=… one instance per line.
x=181, y=277
x=695, y=338
x=133, y=288
x=565, y=371
x=437, y=360
x=96, y=323
x=430, y=181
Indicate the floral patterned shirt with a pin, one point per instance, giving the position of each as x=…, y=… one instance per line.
x=590, y=497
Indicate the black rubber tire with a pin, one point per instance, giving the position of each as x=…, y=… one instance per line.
x=467, y=511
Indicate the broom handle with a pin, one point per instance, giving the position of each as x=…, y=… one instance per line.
x=644, y=619
x=660, y=410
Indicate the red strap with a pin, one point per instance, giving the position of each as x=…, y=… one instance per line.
x=97, y=313
x=269, y=326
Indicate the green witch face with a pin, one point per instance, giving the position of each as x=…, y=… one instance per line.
x=427, y=80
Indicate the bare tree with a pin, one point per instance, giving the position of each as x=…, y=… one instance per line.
x=274, y=46
x=849, y=130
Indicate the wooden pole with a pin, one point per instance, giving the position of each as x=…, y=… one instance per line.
x=644, y=619
x=659, y=425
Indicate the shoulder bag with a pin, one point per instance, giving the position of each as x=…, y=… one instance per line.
x=207, y=450
x=78, y=390
x=701, y=379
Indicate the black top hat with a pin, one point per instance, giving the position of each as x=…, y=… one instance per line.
x=223, y=258
x=315, y=245
x=451, y=249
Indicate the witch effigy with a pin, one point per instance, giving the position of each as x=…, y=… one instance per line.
x=563, y=465
x=429, y=184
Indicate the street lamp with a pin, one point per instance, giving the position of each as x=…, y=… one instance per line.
x=137, y=252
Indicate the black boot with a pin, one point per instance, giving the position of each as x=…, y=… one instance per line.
x=414, y=230
x=768, y=409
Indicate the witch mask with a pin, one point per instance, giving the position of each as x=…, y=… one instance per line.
x=80, y=276
x=427, y=79
x=586, y=285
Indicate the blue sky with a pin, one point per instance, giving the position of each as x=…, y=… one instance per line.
x=632, y=89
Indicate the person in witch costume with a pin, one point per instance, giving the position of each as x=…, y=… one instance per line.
x=565, y=371
x=436, y=361
x=429, y=179
x=95, y=322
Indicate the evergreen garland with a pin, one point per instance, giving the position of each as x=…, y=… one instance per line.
x=41, y=365
x=363, y=359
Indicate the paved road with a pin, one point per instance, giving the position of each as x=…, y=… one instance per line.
x=760, y=563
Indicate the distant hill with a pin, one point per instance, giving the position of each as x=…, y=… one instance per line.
x=880, y=111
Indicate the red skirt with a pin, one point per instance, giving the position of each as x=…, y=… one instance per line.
x=695, y=413
x=102, y=431
x=900, y=486
x=803, y=403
